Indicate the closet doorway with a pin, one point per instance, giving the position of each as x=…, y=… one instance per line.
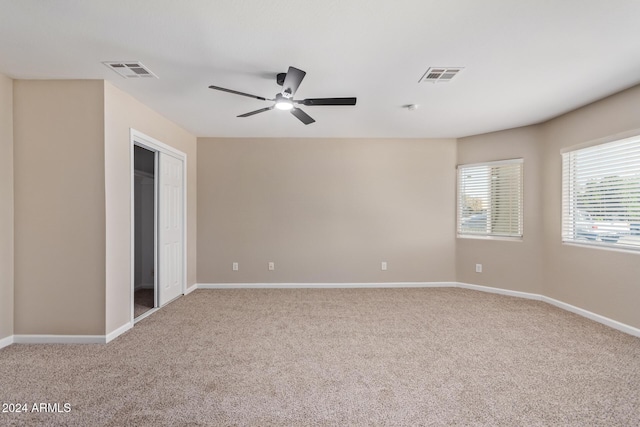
x=158, y=212
x=144, y=190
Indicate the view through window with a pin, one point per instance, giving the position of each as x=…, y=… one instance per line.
x=601, y=195
x=490, y=198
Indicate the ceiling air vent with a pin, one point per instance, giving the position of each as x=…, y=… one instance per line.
x=440, y=74
x=130, y=69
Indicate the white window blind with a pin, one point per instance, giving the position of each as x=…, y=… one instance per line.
x=601, y=195
x=490, y=199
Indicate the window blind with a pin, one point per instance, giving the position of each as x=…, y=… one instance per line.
x=490, y=199
x=601, y=195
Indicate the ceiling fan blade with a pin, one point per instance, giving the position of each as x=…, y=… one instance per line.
x=239, y=93
x=302, y=116
x=327, y=101
x=292, y=81
x=251, y=113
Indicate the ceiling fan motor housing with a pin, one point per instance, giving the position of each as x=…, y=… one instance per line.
x=284, y=100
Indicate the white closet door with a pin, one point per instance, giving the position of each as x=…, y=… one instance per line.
x=170, y=230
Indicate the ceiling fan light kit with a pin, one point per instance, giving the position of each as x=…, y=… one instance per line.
x=290, y=81
x=284, y=106
x=283, y=103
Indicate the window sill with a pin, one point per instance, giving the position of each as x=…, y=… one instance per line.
x=498, y=238
x=605, y=247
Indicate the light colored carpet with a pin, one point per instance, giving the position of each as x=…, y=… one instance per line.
x=299, y=357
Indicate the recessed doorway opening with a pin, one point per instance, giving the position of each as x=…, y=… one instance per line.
x=158, y=215
x=144, y=293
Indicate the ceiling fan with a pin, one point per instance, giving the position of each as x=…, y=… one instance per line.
x=284, y=100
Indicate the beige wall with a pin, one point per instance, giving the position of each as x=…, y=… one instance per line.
x=601, y=281
x=326, y=210
x=123, y=112
x=6, y=207
x=59, y=207
x=506, y=264
x=72, y=204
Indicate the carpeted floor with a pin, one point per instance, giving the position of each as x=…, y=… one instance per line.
x=142, y=301
x=312, y=357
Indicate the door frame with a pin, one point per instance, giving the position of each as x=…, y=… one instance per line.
x=142, y=140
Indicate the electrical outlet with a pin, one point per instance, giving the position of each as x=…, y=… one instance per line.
x=383, y=265
x=478, y=268
x=235, y=266
x=272, y=266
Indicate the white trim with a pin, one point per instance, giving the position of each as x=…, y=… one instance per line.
x=116, y=333
x=59, y=339
x=145, y=314
x=154, y=144
x=602, y=246
x=6, y=341
x=493, y=163
x=563, y=305
x=102, y=339
x=526, y=295
x=132, y=221
x=191, y=289
x=150, y=143
x=483, y=187
x=500, y=291
x=184, y=224
x=156, y=225
x=490, y=237
x=324, y=285
x=593, y=316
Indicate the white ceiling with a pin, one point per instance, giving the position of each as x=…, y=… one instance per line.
x=525, y=61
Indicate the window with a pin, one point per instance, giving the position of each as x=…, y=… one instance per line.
x=601, y=195
x=490, y=199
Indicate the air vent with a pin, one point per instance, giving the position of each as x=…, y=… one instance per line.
x=440, y=74
x=130, y=69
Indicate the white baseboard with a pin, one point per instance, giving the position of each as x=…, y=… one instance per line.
x=59, y=339
x=563, y=305
x=324, y=285
x=577, y=310
x=6, y=341
x=103, y=339
x=65, y=339
x=507, y=292
x=593, y=316
x=116, y=333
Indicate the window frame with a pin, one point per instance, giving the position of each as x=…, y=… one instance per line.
x=489, y=235
x=571, y=215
